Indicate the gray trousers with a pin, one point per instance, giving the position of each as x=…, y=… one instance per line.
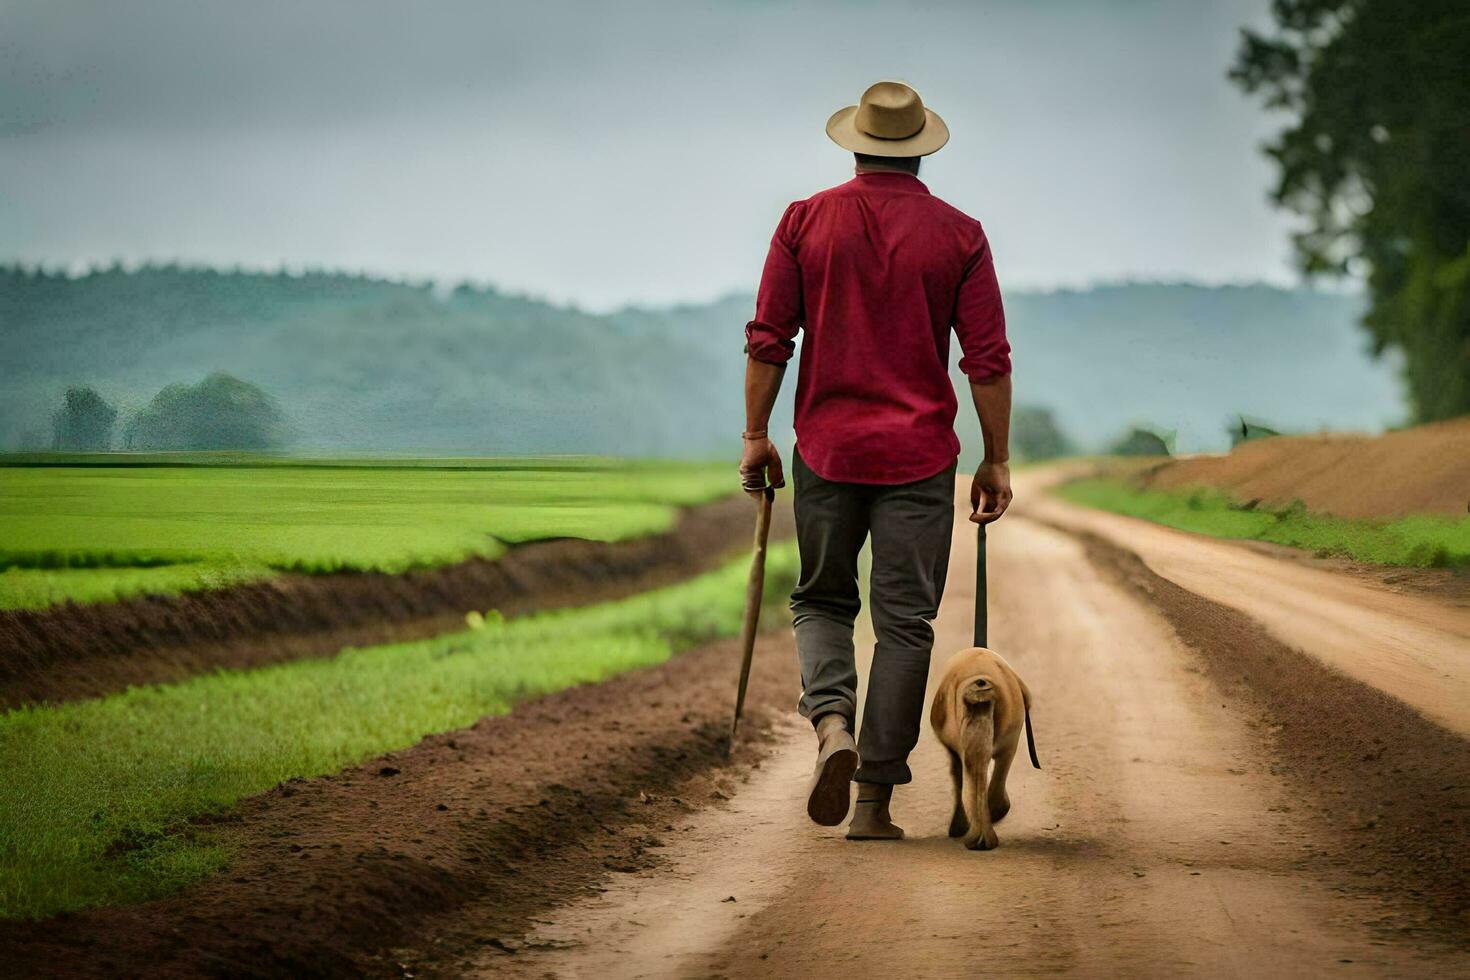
x=910, y=525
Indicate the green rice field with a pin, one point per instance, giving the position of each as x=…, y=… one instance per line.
x=1419, y=541
x=97, y=794
x=99, y=528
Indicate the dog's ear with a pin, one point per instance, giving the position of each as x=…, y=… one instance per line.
x=939, y=711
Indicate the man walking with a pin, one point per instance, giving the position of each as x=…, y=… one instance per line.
x=875, y=272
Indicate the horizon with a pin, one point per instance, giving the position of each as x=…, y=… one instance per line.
x=1347, y=287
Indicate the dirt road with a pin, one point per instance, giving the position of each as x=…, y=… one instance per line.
x=1214, y=802
x=1414, y=648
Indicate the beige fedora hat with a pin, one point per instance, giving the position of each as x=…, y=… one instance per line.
x=890, y=121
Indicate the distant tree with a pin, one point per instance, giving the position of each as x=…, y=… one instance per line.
x=1036, y=435
x=1378, y=162
x=220, y=412
x=1245, y=429
x=84, y=422
x=1140, y=442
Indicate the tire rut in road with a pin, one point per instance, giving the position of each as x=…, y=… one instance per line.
x=1390, y=788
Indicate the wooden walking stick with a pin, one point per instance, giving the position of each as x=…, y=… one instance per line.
x=755, y=588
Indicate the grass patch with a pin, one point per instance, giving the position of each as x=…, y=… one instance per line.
x=97, y=798
x=41, y=588
x=1416, y=541
x=232, y=519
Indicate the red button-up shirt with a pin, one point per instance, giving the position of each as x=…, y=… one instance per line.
x=876, y=272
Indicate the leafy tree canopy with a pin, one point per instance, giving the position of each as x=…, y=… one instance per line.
x=1140, y=442
x=83, y=423
x=220, y=412
x=1243, y=428
x=1035, y=434
x=1377, y=160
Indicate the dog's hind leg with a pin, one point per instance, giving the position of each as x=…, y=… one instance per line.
x=998, y=800
x=959, y=823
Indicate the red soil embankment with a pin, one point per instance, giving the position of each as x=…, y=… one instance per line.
x=513, y=815
x=1424, y=470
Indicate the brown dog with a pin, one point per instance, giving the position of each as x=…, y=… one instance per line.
x=979, y=711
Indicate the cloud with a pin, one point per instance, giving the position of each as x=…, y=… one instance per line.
x=605, y=152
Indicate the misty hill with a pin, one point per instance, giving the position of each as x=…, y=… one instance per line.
x=361, y=364
x=364, y=364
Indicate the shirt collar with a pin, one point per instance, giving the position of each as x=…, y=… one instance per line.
x=892, y=178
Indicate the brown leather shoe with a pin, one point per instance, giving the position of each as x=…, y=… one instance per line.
x=837, y=760
x=870, y=820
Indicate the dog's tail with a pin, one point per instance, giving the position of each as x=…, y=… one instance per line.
x=1030, y=738
x=1031, y=741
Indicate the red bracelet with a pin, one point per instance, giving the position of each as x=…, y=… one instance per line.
x=754, y=434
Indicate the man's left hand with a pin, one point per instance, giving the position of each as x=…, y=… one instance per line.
x=990, y=494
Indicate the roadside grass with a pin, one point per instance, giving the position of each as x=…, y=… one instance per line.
x=97, y=802
x=218, y=523
x=1417, y=541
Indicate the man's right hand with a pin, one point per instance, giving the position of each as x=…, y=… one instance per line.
x=990, y=494
x=760, y=467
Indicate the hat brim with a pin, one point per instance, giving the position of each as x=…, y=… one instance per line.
x=842, y=128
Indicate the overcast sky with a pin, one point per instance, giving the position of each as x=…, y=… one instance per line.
x=611, y=152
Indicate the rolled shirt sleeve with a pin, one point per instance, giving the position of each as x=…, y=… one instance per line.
x=980, y=319
x=771, y=336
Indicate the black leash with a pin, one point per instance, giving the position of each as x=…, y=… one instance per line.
x=982, y=623
x=982, y=602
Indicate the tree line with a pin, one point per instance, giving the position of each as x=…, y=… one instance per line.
x=220, y=412
x=223, y=412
